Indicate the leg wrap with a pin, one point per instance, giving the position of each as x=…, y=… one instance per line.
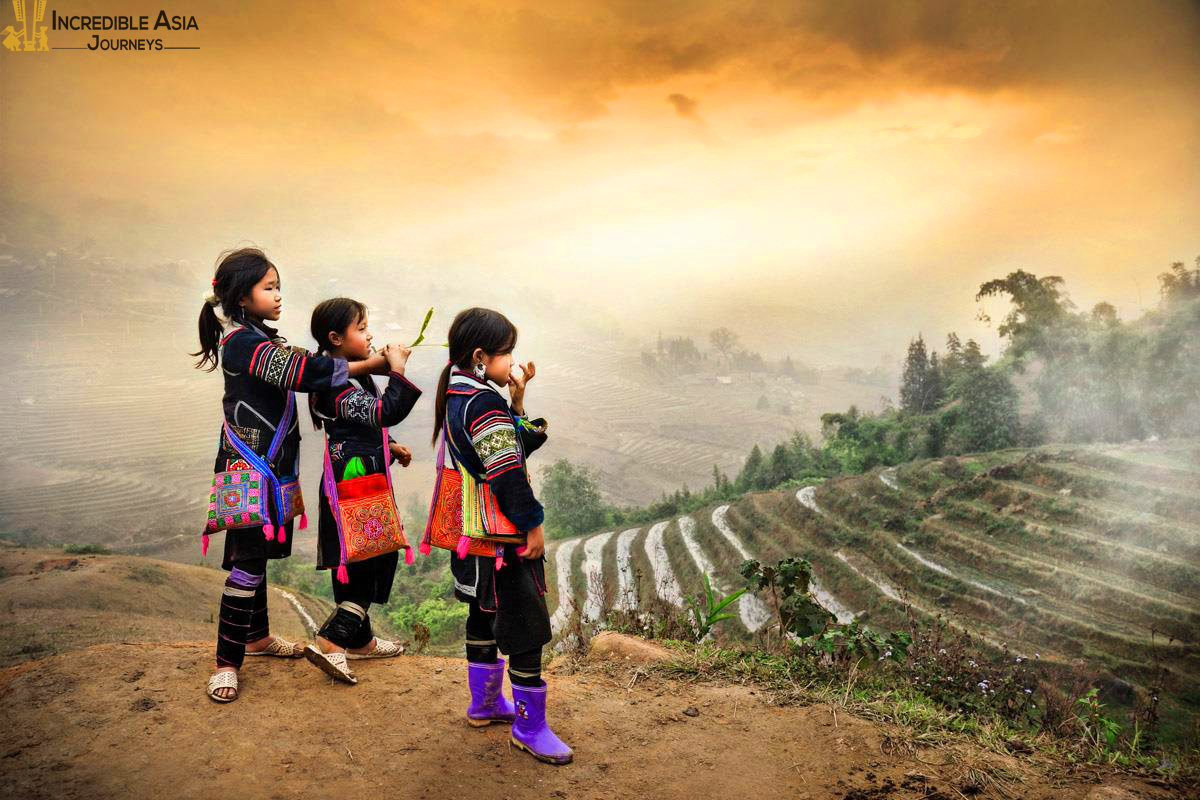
x=342, y=626
x=481, y=641
x=239, y=600
x=525, y=669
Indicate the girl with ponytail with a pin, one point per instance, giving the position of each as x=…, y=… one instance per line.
x=490, y=438
x=260, y=435
x=354, y=415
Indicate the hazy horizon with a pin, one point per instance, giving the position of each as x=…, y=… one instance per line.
x=821, y=178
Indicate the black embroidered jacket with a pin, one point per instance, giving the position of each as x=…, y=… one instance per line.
x=259, y=369
x=493, y=443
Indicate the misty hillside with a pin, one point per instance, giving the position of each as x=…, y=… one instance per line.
x=112, y=432
x=1085, y=559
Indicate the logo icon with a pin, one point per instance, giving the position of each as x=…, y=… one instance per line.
x=32, y=35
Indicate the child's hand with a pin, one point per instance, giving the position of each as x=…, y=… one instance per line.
x=401, y=453
x=516, y=386
x=377, y=363
x=535, y=544
x=397, y=356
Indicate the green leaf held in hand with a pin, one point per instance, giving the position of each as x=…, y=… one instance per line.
x=421, y=336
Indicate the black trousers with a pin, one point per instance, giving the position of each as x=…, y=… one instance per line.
x=512, y=598
x=524, y=668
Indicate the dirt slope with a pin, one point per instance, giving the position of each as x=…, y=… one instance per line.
x=130, y=720
x=109, y=703
x=51, y=602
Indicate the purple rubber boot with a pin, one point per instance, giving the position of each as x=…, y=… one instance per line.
x=530, y=731
x=488, y=703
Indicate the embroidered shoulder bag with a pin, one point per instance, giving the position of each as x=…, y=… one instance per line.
x=464, y=515
x=240, y=498
x=364, y=510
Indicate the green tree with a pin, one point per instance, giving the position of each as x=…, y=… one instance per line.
x=571, y=497
x=1038, y=306
x=1179, y=283
x=987, y=418
x=750, y=476
x=920, y=382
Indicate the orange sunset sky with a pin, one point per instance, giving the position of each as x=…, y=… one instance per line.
x=848, y=172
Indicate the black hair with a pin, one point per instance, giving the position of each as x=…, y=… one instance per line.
x=237, y=273
x=472, y=328
x=331, y=316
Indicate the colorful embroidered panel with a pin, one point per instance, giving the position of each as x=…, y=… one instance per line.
x=235, y=500
x=446, y=522
x=293, y=500
x=370, y=524
x=251, y=436
x=359, y=406
x=278, y=365
x=495, y=441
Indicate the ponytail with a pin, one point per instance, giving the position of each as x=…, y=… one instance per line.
x=237, y=273
x=472, y=328
x=439, y=403
x=210, y=335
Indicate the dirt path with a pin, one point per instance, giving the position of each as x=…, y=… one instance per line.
x=128, y=721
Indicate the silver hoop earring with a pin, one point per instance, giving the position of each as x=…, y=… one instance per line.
x=479, y=370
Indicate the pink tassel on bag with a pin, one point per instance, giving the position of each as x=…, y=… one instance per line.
x=204, y=545
x=464, y=542
x=282, y=534
x=408, y=556
x=343, y=576
x=303, y=521
x=424, y=548
x=269, y=532
x=500, y=561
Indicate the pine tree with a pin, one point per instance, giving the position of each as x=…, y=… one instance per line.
x=935, y=389
x=750, y=475
x=952, y=361
x=973, y=357
x=914, y=381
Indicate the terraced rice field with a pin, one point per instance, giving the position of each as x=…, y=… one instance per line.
x=100, y=461
x=1088, y=557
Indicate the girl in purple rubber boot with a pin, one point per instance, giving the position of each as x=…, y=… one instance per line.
x=490, y=438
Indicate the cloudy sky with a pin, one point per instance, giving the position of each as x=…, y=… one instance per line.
x=840, y=174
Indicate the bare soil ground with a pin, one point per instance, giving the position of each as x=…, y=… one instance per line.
x=128, y=718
